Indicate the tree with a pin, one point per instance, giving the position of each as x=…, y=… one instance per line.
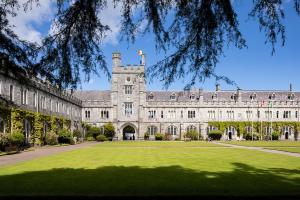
x=196, y=36
x=109, y=130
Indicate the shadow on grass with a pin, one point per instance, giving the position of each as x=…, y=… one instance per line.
x=244, y=180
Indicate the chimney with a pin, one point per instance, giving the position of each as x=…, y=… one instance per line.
x=291, y=87
x=218, y=88
x=116, y=58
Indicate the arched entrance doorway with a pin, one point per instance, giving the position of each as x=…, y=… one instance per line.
x=129, y=133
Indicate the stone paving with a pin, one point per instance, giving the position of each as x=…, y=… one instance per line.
x=260, y=149
x=40, y=152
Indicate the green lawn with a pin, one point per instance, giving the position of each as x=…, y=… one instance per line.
x=265, y=143
x=287, y=149
x=154, y=168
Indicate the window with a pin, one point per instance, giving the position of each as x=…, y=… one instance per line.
x=230, y=114
x=162, y=114
x=11, y=92
x=272, y=96
x=268, y=130
x=248, y=129
x=277, y=114
x=34, y=99
x=172, y=114
x=249, y=114
x=150, y=96
x=211, y=114
x=128, y=108
x=128, y=89
x=172, y=130
x=296, y=114
x=104, y=114
x=173, y=97
x=43, y=102
x=191, y=128
x=268, y=114
x=23, y=96
x=151, y=114
x=152, y=130
x=192, y=97
x=191, y=114
x=57, y=107
x=214, y=96
x=0, y=87
x=211, y=128
x=181, y=114
x=258, y=114
x=286, y=114
x=87, y=114
x=253, y=96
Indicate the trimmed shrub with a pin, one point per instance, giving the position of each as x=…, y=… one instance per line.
x=77, y=133
x=248, y=136
x=215, y=134
x=64, y=136
x=93, y=132
x=16, y=138
x=4, y=141
x=101, y=138
x=191, y=134
x=109, y=130
x=159, y=136
x=146, y=136
x=90, y=138
x=51, y=138
x=275, y=135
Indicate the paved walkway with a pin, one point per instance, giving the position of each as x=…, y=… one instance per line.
x=260, y=149
x=40, y=152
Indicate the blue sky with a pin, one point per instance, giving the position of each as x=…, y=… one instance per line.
x=251, y=68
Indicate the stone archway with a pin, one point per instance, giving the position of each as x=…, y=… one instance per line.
x=129, y=132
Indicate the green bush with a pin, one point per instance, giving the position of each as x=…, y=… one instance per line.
x=51, y=138
x=248, y=136
x=90, y=138
x=109, y=130
x=77, y=133
x=16, y=138
x=64, y=136
x=191, y=134
x=101, y=138
x=93, y=132
x=275, y=135
x=159, y=136
x=146, y=136
x=215, y=134
x=4, y=141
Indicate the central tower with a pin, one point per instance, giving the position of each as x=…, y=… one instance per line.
x=128, y=97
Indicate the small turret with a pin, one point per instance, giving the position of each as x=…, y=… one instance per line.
x=116, y=59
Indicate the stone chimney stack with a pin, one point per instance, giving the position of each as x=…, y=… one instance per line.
x=218, y=88
x=116, y=58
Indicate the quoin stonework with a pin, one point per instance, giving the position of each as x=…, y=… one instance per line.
x=134, y=111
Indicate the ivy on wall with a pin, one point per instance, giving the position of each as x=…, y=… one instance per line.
x=241, y=126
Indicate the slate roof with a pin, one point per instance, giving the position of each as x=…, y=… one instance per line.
x=93, y=95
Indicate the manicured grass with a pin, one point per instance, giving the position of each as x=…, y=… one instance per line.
x=265, y=143
x=166, y=169
x=287, y=149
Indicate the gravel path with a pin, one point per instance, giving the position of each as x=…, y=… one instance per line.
x=260, y=149
x=40, y=152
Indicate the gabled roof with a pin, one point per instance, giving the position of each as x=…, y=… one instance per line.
x=93, y=95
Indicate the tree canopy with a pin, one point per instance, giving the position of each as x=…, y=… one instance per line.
x=193, y=40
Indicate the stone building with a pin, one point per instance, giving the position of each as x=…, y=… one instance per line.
x=134, y=111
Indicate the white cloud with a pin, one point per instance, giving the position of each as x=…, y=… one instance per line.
x=111, y=16
x=23, y=22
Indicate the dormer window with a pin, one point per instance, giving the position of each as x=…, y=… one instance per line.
x=173, y=96
x=192, y=97
x=151, y=96
x=291, y=96
x=253, y=96
x=272, y=96
x=234, y=96
x=214, y=96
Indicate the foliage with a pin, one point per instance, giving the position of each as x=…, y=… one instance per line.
x=101, y=138
x=109, y=130
x=90, y=138
x=146, y=136
x=16, y=138
x=159, y=136
x=51, y=138
x=4, y=141
x=275, y=135
x=168, y=136
x=77, y=133
x=215, y=134
x=195, y=32
x=64, y=136
x=93, y=132
x=192, y=134
x=248, y=136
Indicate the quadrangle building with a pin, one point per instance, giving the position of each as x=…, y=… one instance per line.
x=135, y=111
